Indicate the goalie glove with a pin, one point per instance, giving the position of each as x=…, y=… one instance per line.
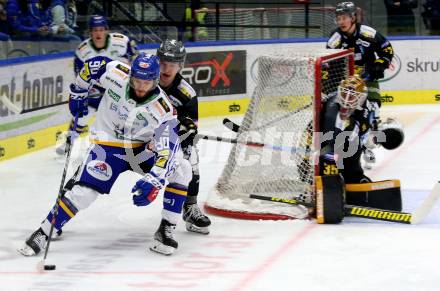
x=393, y=131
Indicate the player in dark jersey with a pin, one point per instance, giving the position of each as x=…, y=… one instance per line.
x=373, y=54
x=172, y=55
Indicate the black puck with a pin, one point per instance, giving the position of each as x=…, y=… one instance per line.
x=49, y=267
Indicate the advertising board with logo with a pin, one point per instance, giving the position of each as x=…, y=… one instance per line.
x=216, y=73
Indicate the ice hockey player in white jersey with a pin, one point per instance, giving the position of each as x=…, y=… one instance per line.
x=114, y=46
x=135, y=130
x=101, y=42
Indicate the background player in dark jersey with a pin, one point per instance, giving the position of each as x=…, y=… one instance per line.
x=172, y=55
x=373, y=54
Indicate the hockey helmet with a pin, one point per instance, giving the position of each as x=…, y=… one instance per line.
x=97, y=21
x=346, y=8
x=352, y=93
x=146, y=67
x=172, y=50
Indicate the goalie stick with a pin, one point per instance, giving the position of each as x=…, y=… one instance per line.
x=375, y=213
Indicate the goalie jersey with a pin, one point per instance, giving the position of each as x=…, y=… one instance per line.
x=118, y=47
x=124, y=122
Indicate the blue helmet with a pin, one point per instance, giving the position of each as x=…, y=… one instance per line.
x=145, y=67
x=97, y=21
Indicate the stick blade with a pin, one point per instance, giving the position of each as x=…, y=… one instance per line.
x=423, y=210
x=231, y=125
x=42, y=267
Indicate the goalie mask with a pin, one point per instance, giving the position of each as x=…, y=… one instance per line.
x=352, y=93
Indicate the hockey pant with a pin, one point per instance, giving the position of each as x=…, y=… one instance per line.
x=102, y=167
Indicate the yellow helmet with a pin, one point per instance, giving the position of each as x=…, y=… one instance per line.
x=352, y=93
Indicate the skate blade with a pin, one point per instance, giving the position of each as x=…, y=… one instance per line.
x=60, y=159
x=60, y=151
x=193, y=228
x=160, y=248
x=26, y=251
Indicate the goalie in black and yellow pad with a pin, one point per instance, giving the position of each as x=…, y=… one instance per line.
x=349, y=125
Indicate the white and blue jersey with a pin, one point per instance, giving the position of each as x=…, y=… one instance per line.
x=128, y=135
x=122, y=122
x=118, y=47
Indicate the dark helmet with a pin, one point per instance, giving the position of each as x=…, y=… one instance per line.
x=146, y=67
x=97, y=21
x=172, y=50
x=346, y=8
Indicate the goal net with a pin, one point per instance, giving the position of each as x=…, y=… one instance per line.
x=283, y=114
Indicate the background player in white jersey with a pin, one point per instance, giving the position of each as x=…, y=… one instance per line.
x=172, y=55
x=136, y=130
x=101, y=42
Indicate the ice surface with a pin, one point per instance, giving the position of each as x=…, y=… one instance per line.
x=105, y=246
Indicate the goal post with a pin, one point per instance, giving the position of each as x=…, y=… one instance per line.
x=284, y=114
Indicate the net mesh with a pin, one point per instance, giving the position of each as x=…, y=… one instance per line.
x=315, y=22
x=282, y=115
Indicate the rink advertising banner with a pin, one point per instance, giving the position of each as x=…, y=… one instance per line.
x=28, y=87
x=216, y=73
x=33, y=109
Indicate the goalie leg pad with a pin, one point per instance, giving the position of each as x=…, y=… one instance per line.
x=330, y=199
x=382, y=194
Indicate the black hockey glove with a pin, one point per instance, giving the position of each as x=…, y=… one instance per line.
x=187, y=129
x=377, y=70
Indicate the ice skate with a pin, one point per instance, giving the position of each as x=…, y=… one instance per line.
x=164, y=242
x=34, y=244
x=196, y=221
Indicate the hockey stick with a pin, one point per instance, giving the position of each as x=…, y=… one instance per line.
x=17, y=110
x=282, y=200
x=231, y=125
x=235, y=127
x=252, y=144
x=8, y=104
x=375, y=213
x=41, y=265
